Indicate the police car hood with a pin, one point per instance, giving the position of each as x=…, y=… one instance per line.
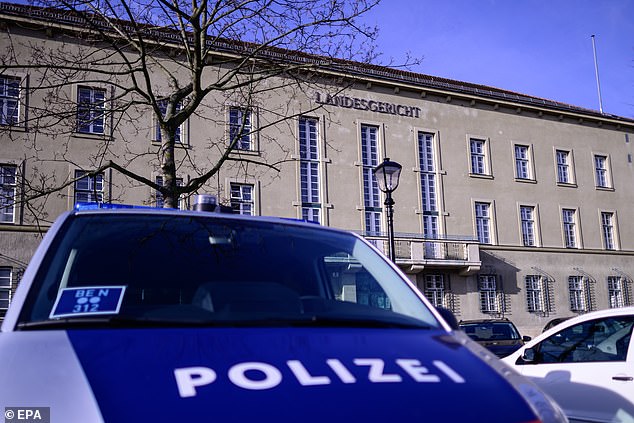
x=248, y=374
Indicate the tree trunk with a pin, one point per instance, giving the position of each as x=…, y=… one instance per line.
x=168, y=168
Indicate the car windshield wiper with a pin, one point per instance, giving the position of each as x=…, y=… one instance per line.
x=317, y=320
x=364, y=322
x=113, y=322
x=263, y=321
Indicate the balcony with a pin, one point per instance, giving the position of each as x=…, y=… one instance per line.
x=414, y=253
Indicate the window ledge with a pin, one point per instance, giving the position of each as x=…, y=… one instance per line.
x=236, y=152
x=609, y=189
x=526, y=181
x=567, y=184
x=19, y=127
x=157, y=143
x=88, y=136
x=480, y=176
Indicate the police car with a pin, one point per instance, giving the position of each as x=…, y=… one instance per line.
x=134, y=315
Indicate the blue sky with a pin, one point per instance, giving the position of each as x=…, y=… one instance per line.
x=538, y=47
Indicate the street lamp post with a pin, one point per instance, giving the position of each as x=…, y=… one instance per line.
x=387, y=176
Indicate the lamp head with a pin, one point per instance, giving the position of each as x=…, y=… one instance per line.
x=387, y=175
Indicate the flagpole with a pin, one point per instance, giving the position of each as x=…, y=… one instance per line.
x=596, y=72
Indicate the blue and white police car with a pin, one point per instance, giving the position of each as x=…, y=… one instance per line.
x=136, y=315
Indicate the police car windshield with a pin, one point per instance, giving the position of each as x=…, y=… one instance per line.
x=198, y=269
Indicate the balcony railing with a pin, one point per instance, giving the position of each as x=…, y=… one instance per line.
x=414, y=252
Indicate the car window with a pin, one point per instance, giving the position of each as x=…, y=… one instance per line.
x=604, y=339
x=213, y=270
x=554, y=322
x=489, y=331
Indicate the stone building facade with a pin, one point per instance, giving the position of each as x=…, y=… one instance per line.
x=508, y=205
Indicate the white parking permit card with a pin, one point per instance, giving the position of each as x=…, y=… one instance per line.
x=88, y=300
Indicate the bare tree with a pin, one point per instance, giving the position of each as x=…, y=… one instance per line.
x=175, y=60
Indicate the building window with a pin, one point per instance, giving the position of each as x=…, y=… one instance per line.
x=5, y=287
x=242, y=198
x=309, y=169
x=487, y=287
x=569, y=221
x=522, y=162
x=563, y=167
x=477, y=148
x=607, y=227
x=162, y=104
x=616, y=292
x=427, y=169
x=9, y=100
x=527, y=217
x=483, y=222
x=90, y=110
x=7, y=193
x=535, y=293
x=577, y=291
x=159, y=197
x=240, y=129
x=435, y=290
x=371, y=196
x=601, y=171
x=88, y=188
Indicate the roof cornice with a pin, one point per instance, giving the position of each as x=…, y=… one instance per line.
x=357, y=71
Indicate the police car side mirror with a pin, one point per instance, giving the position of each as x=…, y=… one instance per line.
x=449, y=317
x=526, y=338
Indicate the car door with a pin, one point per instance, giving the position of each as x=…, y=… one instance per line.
x=588, y=368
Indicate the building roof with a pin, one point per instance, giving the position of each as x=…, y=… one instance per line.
x=362, y=71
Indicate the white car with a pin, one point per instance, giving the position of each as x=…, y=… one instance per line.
x=586, y=364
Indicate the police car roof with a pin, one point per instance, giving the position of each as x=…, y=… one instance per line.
x=89, y=209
